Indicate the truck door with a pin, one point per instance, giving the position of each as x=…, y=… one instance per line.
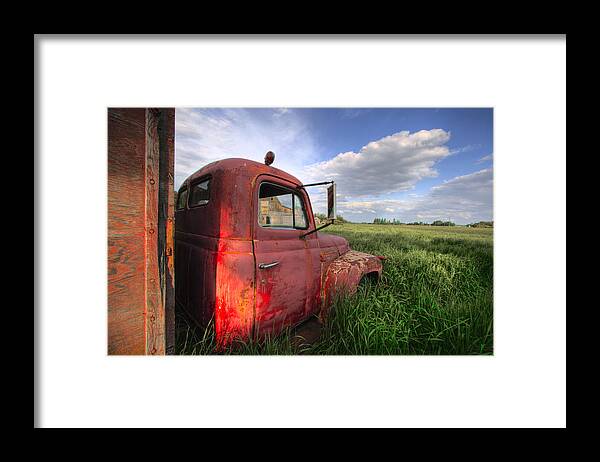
x=282, y=259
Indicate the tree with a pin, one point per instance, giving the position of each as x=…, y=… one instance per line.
x=442, y=223
x=482, y=224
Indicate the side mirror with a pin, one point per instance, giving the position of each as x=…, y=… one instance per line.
x=331, y=208
x=331, y=202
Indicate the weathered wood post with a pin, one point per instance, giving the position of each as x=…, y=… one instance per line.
x=141, y=316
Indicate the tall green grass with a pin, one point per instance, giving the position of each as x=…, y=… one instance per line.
x=435, y=297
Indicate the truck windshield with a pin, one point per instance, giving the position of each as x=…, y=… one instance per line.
x=279, y=207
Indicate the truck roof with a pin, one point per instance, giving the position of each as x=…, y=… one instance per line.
x=249, y=167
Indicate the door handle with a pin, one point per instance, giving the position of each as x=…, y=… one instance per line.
x=268, y=265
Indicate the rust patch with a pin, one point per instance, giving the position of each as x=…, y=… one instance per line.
x=344, y=274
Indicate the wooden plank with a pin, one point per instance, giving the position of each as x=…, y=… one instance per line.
x=126, y=247
x=167, y=209
x=155, y=314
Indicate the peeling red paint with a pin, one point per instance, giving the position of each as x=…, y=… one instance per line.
x=219, y=247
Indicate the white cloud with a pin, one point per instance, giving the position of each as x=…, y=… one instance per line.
x=463, y=199
x=391, y=164
x=467, y=148
x=352, y=113
x=205, y=135
x=484, y=159
x=278, y=112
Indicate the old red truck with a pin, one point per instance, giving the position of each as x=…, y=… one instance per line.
x=249, y=255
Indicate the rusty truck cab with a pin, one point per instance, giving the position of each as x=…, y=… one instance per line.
x=244, y=257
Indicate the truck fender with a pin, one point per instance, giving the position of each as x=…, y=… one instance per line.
x=345, y=273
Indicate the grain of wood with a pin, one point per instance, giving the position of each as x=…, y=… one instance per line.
x=167, y=166
x=126, y=247
x=155, y=315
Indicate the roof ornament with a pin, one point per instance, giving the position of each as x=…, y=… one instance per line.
x=269, y=158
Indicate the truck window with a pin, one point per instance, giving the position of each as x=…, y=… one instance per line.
x=299, y=215
x=200, y=193
x=280, y=207
x=182, y=199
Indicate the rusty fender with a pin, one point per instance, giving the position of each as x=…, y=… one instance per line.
x=345, y=273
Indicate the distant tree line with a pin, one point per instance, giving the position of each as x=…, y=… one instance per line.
x=386, y=221
x=482, y=224
x=394, y=221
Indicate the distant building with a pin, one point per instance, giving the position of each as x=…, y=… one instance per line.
x=274, y=213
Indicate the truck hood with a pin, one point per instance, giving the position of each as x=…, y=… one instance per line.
x=331, y=240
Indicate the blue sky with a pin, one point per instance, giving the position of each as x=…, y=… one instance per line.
x=413, y=164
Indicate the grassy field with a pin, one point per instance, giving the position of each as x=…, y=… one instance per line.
x=435, y=297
